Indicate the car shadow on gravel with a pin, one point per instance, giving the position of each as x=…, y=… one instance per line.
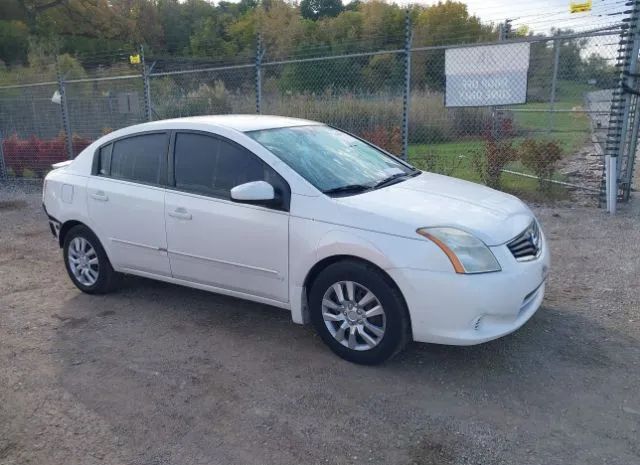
x=171, y=368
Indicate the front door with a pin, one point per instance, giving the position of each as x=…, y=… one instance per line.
x=215, y=241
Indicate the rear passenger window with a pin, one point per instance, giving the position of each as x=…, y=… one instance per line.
x=104, y=160
x=213, y=166
x=139, y=158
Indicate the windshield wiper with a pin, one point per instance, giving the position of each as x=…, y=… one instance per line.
x=395, y=178
x=348, y=189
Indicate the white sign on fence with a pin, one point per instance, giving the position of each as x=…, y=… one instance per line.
x=486, y=75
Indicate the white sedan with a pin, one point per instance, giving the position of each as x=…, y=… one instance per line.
x=302, y=216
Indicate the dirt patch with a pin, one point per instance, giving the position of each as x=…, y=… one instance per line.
x=162, y=374
x=6, y=205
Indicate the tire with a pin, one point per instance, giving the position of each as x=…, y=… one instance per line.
x=82, y=249
x=376, y=337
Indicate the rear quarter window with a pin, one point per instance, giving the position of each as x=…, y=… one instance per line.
x=103, y=163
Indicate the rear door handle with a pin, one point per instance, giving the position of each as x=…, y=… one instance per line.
x=180, y=213
x=99, y=195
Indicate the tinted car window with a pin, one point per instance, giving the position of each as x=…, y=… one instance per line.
x=139, y=158
x=212, y=166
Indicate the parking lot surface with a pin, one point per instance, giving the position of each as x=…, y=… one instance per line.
x=161, y=374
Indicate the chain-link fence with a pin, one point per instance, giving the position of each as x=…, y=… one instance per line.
x=551, y=143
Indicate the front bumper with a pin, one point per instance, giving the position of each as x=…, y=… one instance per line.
x=458, y=309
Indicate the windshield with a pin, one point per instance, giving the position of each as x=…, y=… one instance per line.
x=332, y=160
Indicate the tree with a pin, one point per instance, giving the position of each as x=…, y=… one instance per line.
x=14, y=42
x=443, y=24
x=570, y=63
x=317, y=9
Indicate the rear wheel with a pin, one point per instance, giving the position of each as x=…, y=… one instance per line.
x=358, y=313
x=87, y=263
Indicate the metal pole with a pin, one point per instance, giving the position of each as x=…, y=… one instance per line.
x=612, y=184
x=258, y=68
x=406, y=97
x=629, y=77
x=633, y=141
x=147, y=87
x=64, y=111
x=554, y=80
x=494, y=111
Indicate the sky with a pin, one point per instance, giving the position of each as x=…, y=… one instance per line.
x=541, y=15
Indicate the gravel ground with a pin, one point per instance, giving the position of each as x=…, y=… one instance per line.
x=160, y=374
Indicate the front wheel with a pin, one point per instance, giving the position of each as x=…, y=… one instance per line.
x=358, y=313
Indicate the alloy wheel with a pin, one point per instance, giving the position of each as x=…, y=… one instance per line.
x=353, y=315
x=83, y=261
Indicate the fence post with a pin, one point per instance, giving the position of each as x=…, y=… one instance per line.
x=406, y=97
x=64, y=111
x=258, y=68
x=147, y=87
x=494, y=111
x=554, y=80
x=3, y=168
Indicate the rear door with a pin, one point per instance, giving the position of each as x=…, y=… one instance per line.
x=126, y=202
x=215, y=241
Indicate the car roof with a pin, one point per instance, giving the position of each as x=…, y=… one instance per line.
x=242, y=123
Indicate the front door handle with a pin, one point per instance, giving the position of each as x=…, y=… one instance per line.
x=99, y=195
x=180, y=213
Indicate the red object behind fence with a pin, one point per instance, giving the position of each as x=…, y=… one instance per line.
x=34, y=156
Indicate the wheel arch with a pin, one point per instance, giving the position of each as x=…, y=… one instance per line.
x=322, y=264
x=66, y=227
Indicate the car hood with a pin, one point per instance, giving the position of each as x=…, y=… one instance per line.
x=430, y=200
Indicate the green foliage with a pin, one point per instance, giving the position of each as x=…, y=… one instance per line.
x=206, y=99
x=317, y=9
x=383, y=72
x=317, y=77
x=71, y=67
x=14, y=42
x=441, y=24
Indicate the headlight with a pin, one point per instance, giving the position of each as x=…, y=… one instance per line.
x=467, y=253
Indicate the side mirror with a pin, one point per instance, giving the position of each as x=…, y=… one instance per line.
x=254, y=192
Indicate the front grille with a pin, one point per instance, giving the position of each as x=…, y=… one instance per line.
x=527, y=245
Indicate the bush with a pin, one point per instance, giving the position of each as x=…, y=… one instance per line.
x=541, y=157
x=33, y=157
x=498, y=151
x=207, y=100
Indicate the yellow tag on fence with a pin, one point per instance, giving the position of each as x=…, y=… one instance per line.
x=134, y=59
x=580, y=7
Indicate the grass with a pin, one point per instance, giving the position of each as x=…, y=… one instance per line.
x=454, y=159
x=532, y=120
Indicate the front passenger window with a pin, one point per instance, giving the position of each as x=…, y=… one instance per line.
x=212, y=166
